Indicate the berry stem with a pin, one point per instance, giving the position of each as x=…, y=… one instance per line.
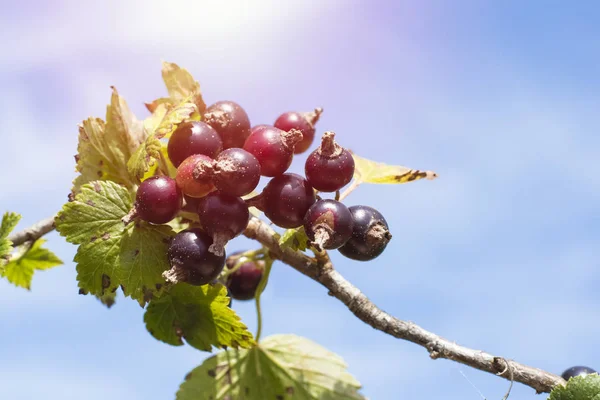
x=329, y=148
x=220, y=239
x=322, y=236
x=355, y=183
x=378, y=233
x=203, y=170
x=131, y=215
x=291, y=137
x=313, y=116
x=261, y=287
x=175, y=275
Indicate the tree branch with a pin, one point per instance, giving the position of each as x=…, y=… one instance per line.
x=32, y=233
x=321, y=270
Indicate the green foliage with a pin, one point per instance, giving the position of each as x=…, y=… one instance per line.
x=295, y=239
x=584, y=387
x=282, y=367
x=162, y=123
x=181, y=86
x=198, y=314
x=19, y=270
x=9, y=222
x=110, y=252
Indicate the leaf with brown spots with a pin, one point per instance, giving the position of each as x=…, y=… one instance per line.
x=180, y=85
x=198, y=314
x=367, y=171
x=282, y=367
x=93, y=221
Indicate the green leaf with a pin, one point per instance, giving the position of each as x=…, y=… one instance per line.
x=105, y=148
x=111, y=253
x=93, y=220
x=578, y=388
x=295, y=238
x=282, y=367
x=367, y=171
x=161, y=124
x=143, y=260
x=19, y=271
x=198, y=314
x=9, y=222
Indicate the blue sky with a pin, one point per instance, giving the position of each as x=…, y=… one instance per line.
x=500, y=253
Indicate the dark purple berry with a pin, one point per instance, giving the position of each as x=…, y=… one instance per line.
x=242, y=284
x=273, y=148
x=370, y=234
x=223, y=217
x=190, y=259
x=577, y=371
x=194, y=137
x=158, y=200
x=330, y=167
x=328, y=223
x=236, y=172
x=285, y=200
x=230, y=121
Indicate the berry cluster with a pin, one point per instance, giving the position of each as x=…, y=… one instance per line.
x=221, y=159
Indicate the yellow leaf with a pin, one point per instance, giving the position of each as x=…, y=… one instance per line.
x=367, y=171
x=181, y=86
x=104, y=148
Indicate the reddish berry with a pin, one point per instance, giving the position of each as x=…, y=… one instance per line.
x=158, y=200
x=191, y=138
x=230, y=121
x=191, y=183
x=304, y=122
x=273, y=148
x=330, y=167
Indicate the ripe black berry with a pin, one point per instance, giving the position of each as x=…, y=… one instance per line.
x=330, y=167
x=273, y=148
x=230, y=121
x=285, y=200
x=242, y=284
x=577, y=371
x=190, y=183
x=304, y=122
x=370, y=234
x=158, y=200
x=236, y=172
x=190, y=259
x=194, y=137
x=223, y=217
x=328, y=223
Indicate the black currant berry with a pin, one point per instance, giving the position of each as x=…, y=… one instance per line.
x=236, y=172
x=158, y=200
x=273, y=148
x=194, y=137
x=577, y=371
x=370, y=234
x=328, y=224
x=230, y=121
x=190, y=259
x=330, y=167
x=242, y=284
x=285, y=200
x=304, y=122
x=223, y=217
